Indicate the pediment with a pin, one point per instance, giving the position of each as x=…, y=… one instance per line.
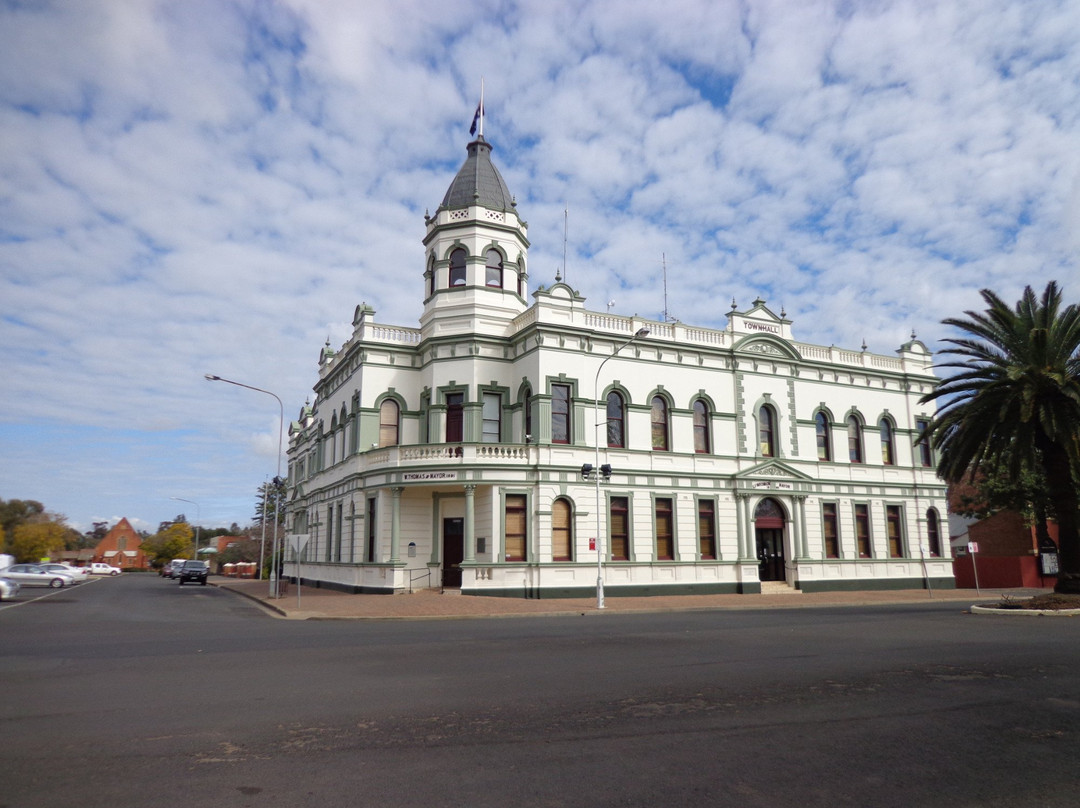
x=773, y=470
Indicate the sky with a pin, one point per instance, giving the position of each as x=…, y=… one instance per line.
x=203, y=186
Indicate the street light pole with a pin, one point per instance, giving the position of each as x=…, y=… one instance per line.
x=641, y=332
x=281, y=428
x=198, y=521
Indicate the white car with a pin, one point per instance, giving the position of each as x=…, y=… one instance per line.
x=103, y=569
x=8, y=588
x=79, y=574
x=33, y=575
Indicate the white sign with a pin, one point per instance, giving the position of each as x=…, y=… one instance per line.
x=777, y=486
x=762, y=327
x=298, y=543
x=427, y=476
x=973, y=547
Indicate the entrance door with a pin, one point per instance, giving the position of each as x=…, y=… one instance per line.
x=453, y=531
x=770, y=553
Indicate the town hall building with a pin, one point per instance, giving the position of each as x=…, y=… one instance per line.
x=525, y=445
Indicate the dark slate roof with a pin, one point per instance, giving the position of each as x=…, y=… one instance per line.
x=478, y=182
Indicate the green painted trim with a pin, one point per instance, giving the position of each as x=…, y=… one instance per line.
x=633, y=591
x=872, y=585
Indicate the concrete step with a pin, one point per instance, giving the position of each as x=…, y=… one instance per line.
x=778, y=588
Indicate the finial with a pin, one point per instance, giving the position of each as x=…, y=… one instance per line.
x=864, y=344
x=733, y=306
x=783, y=313
x=558, y=277
x=913, y=333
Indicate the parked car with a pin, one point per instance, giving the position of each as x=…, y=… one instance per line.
x=79, y=574
x=33, y=575
x=193, y=571
x=172, y=568
x=8, y=588
x=103, y=569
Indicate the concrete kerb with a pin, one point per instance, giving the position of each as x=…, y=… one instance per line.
x=1007, y=611
x=341, y=607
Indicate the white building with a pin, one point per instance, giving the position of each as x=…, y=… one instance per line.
x=463, y=453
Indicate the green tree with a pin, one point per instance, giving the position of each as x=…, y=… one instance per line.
x=176, y=540
x=273, y=493
x=1014, y=404
x=34, y=541
x=15, y=512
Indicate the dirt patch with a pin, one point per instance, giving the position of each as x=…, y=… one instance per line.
x=1052, y=602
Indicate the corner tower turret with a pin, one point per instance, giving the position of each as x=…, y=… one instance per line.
x=475, y=279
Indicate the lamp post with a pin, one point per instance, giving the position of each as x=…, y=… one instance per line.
x=198, y=521
x=277, y=505
x=641, y=332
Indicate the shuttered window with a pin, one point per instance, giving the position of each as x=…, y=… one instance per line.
x=515, y=527
x=561, y=534
x=388, y=423
x=454, y=417
x=862, y=529
x=707, y=529
x=620, y=529
x=895, y=531
x=560, y=413
x=832, y=533
x=665, y=530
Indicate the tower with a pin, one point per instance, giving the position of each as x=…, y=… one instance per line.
x=475, y=247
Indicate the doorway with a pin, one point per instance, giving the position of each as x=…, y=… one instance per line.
x=769, y=531
x=453, y=554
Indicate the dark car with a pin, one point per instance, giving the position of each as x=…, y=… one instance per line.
x=193, y=571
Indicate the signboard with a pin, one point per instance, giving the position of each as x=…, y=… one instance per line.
x=973, y=547
x=592, y=544
x=774, y=485
x=428, y=476
x=1049, y=563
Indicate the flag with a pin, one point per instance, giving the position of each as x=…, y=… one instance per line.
x=476, y=117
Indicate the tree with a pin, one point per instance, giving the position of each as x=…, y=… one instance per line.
x=273, y=493
x=34, y=541
x=177, y=540
x=1014, y=404
x=15, y=512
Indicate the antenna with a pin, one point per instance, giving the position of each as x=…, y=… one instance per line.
x=565, y=227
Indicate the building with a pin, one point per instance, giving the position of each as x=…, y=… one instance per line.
x=121, y=547
x=464, y=453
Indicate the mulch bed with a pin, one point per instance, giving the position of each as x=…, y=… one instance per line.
x=1049, y=602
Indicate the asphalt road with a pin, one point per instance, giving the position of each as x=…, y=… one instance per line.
x=133, y=691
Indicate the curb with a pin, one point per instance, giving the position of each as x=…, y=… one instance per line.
x=998, y=611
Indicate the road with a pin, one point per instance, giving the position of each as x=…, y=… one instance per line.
x=132, y=691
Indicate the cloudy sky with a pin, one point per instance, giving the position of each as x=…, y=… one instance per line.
x=203, y=186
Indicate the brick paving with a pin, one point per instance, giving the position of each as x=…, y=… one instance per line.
x=328, y=604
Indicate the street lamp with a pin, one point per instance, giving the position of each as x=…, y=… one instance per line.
x=281, y=429
x=198, y=521
x=597, y=471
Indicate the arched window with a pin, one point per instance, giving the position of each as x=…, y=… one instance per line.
x=388, y=423
x=854, y=439
x=528, y=416
x=824, y=439
x=701, y=427
x=888, y=454
x=933, y=533
x=431, y=276
x=562, y=538
x=659, y=424
x=457, y=268
x=616, y=421
x=767, y=431
x=494, y=269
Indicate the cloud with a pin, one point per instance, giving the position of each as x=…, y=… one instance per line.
x=208, y=187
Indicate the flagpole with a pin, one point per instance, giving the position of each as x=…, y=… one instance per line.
x=481, y=106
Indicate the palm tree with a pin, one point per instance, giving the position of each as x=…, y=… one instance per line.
x=1015, y=402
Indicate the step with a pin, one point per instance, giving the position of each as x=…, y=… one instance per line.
x=778, y=588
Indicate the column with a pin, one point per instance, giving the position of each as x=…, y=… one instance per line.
x=395, y=525
x=470, y=524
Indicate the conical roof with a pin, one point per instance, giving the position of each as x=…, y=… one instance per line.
x=478, y=182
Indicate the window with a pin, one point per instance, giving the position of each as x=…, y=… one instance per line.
x=888, y=454
x=528, y=416
x=560, y=413
x=562, y=539
x=491, y=431
x=767, y=432
x=454, y=417
x=330, y=533
x=831, y=530
x=862, y=530
x=701, y=427
x=854, y=439
x=431, y=276
x=925, y=457
x=371, y=534
x=494, y=269
x=895, y=531
x=824, y=439
x=515, y=527
x=616, y=421
x=457, y=268
x=665, y=533
x=388, y=423
x=659, y=424
x=706, y=513
x=933, y=533
x=620, y=529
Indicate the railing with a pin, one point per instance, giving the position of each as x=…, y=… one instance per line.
x=414, y=575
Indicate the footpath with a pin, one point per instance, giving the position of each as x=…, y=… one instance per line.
x=313, y=603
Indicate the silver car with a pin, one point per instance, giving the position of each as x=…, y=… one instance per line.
x=34, y=575
x=8, y=588
x=78, y=574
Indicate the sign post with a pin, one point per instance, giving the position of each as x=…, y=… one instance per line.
x=973, y=548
